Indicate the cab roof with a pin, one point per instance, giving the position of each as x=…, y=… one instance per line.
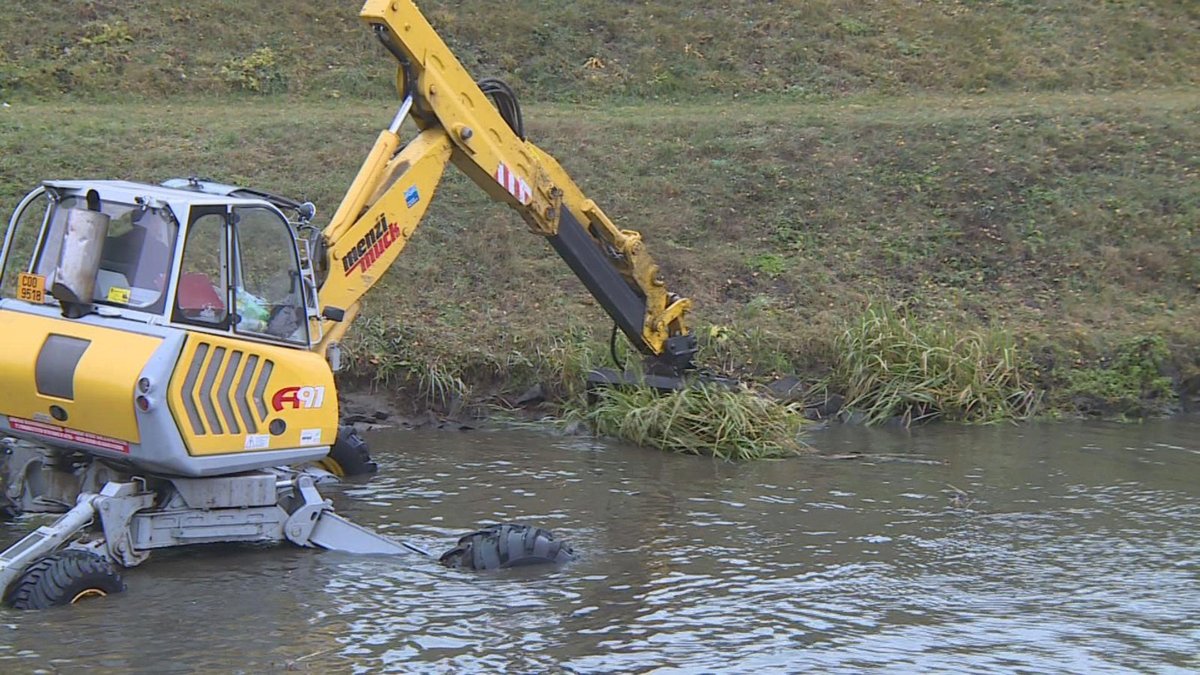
x=129, y=192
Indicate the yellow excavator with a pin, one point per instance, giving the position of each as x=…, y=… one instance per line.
x=168, y=351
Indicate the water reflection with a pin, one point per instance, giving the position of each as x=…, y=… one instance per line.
x=1075, y=550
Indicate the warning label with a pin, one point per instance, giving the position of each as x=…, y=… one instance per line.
x=65, y=434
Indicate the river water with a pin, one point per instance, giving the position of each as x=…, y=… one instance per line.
x=1047, y=547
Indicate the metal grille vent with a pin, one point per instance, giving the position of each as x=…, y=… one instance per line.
x=223, y=391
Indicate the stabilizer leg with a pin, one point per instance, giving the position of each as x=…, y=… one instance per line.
x=336, y=533
x=46, y=539
x=314, y=523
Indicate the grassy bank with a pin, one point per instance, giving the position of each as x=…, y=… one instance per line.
x=1065, y=224
x=591, y=50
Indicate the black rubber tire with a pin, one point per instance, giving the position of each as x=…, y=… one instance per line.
x=507, y=545
x=63, y=578
x=349, y=455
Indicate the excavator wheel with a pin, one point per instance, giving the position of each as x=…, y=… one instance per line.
x=63, y=578
x=349, y=455
x=504, y=546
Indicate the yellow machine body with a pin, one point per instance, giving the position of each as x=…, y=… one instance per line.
x=229, y=394
x=179, y=402
x=100, y=396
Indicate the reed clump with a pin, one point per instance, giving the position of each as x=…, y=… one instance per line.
x=732, y=424
x=891, y=367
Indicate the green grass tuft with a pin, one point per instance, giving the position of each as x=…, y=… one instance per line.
x=1129, y=384
x=890, y=366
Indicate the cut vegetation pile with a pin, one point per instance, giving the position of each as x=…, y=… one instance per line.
x=1022, y=177
x=701, y=420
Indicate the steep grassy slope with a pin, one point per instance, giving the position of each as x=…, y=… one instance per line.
x=589, y=49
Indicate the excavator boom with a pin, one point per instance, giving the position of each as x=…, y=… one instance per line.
x=461, y=121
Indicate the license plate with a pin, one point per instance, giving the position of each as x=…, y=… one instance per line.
x=31, y=287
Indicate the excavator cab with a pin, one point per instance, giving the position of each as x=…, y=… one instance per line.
x=184, y=257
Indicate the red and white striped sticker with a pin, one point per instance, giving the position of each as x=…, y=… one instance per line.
x=65, y=434
x=515, y=185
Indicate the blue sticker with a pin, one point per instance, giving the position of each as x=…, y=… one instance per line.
x=411, y=196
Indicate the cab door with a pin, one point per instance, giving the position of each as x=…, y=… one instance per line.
x=246, y=380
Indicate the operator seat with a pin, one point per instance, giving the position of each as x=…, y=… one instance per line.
x=198, y=300
x=121, y=253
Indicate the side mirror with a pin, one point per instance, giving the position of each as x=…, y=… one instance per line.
x=307, y=211
x=333, y=313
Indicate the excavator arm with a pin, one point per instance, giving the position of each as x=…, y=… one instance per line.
x=478, y=127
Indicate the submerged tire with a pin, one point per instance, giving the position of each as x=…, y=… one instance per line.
x=507, y=545
x=349, y=455
x=63, y=578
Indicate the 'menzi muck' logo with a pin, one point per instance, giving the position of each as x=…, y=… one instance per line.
x=371, y=246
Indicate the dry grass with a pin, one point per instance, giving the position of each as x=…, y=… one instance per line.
x=1070, y=220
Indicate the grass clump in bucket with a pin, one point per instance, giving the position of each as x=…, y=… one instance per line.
x=698, y=420
x=894, y=368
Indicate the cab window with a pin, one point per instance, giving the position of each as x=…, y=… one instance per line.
x=202, y=297
x=135, y=259
x=268, y=291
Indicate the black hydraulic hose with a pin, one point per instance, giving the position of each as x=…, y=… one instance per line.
x=385, y=37
x=612, y=348
x=506, y=102
x=415, y=549
x=498, y=90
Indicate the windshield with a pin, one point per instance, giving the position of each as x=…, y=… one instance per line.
x=135, y=259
